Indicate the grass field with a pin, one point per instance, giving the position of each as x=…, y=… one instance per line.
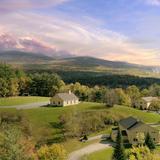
x=100, y=155
x=11, y=101
x=127, y=111
x=44, y=121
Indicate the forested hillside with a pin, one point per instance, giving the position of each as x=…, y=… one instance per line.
x=36, y=62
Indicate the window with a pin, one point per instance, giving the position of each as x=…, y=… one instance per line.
x=135, y=140
x=124, y=133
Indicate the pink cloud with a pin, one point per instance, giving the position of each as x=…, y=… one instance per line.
x=14, y=5
x=28, y=44
x=59, y=36
x=33, y=45
x=7, y=41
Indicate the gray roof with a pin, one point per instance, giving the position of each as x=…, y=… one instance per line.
x=67, y=96
x=131, y=123
x=127, y=123
x=136, y=125
x=149, y=99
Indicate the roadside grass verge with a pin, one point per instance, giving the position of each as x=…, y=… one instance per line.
x=100, y=155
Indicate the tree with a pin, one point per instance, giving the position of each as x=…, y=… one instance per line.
x=111, y=98
x=13, y=87
x=44, y=84
x=154, y=90
x=119, y=153
x=145, y=92
x=149, y=142
x=13, y=146
x=155, y=105
x=98, y=94
x=53, y=152
x=140, y=138
x=3, y=88
x=23, y=82
x=123, y=98
x=12, y=82
x=133, y=93
x=141, y=153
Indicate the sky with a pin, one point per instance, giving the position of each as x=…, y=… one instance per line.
x=119, y=30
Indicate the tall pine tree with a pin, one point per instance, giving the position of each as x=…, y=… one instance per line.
x=149, y=142
x=119, y=153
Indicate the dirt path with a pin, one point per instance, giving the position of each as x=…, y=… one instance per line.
x=76, y=155
x=28, y=106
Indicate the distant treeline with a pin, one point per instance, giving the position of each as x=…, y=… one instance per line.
x=109, y=80
x=88, y=86
x=92, y=79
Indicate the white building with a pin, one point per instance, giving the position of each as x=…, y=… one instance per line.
x=64, y=99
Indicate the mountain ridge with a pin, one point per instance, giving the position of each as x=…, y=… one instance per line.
x=83, y=62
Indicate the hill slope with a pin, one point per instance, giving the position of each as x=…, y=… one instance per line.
x=22, y=57
x=95, y=62
x=33, y=61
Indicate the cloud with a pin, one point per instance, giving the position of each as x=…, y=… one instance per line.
x=61, y=34
x=153, y=2
x=14, y=5
x=7, y=41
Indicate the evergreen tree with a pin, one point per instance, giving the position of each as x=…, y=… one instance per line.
x=149, y=142
x=119, y=153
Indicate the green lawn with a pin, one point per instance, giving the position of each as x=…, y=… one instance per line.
x=73, y=145
x=11, y=101
x=128, y=111
x=44, y=121
x=100, y=155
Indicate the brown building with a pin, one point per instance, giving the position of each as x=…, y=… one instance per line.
x=145, y=102
x=131, y=127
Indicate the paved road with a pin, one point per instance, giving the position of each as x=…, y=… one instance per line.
x=100, y=137
x=28, y=106
x=76, y=155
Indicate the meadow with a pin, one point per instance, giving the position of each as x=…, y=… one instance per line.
x=11, y=101
x=45, y=127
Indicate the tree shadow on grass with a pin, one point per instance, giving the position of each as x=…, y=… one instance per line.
x=58, y=135
x=56, y=125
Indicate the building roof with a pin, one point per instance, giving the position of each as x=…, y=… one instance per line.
x=149, y=99
x=129, y=122
x=136, y=125
x=67, y=96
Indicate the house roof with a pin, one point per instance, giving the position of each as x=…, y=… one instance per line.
x=129, y=122
x=67, y=96
x=149, y=99
x=136, y=125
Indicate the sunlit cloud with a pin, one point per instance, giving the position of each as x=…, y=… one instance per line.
x=73, y=37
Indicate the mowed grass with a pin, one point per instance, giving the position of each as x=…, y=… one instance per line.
x=141, y=115
x=11, y=101
x=44, y=121
x=100, y=155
